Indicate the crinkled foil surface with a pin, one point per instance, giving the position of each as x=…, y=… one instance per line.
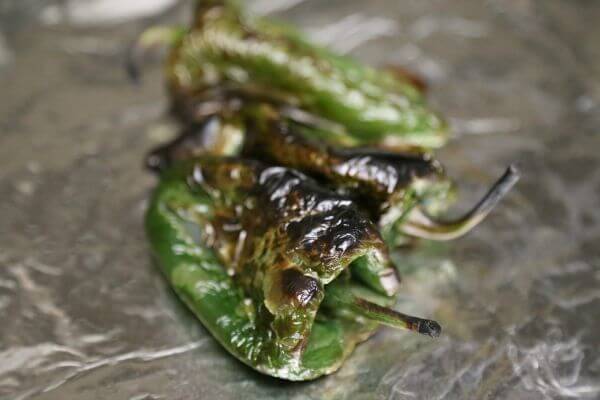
x=84, y=314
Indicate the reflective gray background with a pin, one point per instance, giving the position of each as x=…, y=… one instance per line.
x=85, y=315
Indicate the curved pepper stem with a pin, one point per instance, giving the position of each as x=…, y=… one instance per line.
x=422, y=225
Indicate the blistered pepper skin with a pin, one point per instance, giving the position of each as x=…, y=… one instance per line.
x=289, y=270
x=260, y=299
x=387, y=184
x=227, y=54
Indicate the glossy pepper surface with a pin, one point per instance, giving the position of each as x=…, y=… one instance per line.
x=401, y=191
x=296, y=170
x=229, y=54
x=275, y=266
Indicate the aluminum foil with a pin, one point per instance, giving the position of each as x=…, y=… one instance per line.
x=86, y=315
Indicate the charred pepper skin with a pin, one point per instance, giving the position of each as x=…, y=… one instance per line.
x=251, y=249
x=289, y=273
x=386, y=184
x=402, y=191
x=227, y=54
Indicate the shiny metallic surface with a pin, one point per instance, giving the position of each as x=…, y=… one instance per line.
x=86, y=315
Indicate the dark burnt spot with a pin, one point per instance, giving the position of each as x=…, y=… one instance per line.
x=326, y=238
x=290, y=194
x=430, y=328
x=300, y=287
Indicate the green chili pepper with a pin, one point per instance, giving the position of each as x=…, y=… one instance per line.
x=228, y=54
x=290, y=273
x=400, y=189
x=255, y=250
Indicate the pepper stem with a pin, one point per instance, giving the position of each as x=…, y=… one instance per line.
x=422, y=225
x=395, y=319
x=347, y=297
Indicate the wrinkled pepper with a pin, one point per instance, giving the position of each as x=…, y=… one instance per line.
x=402, y=191
x=296, y=170
x=228, y=53
x=287, y=275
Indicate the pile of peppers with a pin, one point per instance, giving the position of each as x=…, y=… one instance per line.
x=295, y=173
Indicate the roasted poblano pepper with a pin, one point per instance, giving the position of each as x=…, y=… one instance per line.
x=399, y=190
x=229, y=54
x=297, y=169
x=286, y=274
